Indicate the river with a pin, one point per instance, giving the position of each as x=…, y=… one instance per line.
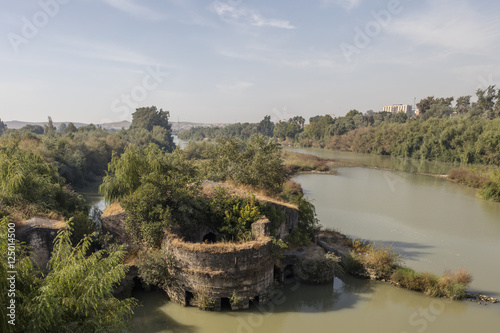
x=434, y=223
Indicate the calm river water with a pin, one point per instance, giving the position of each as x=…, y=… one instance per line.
x=434, y=223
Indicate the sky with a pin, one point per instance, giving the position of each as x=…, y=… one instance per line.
x=226, y=61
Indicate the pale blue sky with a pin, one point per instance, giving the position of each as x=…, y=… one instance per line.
x=239, y=60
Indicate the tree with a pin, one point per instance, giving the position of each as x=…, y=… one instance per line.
x=353, y=113
x=257, y=163
x=35, y=129
x=77, y=293
x=486, y=101
x=3, y=127
x=149, y=118
x=71, y=128
x=287, y=129
x=157, y=190
x=266, y=127
x=49, y=129
x=26, y=179
x=62, y=127
x=463, y=104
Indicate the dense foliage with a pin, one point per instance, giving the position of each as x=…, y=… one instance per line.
x=256, y=162
x=81, y=154
x=75, y=295
x=157, y=189
x=232, y=216
x=31, y=185
x=243, y=131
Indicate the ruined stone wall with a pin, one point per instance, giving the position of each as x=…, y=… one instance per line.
x=291, y=222
x=39, y=233
x=219, y=270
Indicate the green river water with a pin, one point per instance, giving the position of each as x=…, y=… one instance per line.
x=434, y=223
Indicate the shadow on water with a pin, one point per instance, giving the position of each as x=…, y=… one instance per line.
x=149, y=318
x=409, y=250
x=294, y=296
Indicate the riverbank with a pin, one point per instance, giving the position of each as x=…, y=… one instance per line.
x=485, y=179
x=362, y=259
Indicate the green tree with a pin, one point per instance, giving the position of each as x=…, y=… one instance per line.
x=157, y=189
x=3, y=127
x=49, y=128
x=155, y=122
x=463, y=104
x=71, y=128
x=77, y=293
x=266, y=126
x=35, y=129
x=26, y=179
x=148, y=117
x=62, y=127
x=257, y=163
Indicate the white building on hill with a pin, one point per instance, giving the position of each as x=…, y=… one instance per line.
x=396, y=108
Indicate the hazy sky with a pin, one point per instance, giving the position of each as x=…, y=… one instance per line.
x=239, y=60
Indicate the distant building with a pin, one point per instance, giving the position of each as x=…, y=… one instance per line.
x=396, y=108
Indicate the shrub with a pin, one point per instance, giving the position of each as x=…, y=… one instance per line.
x=450, y=285
x=467, y=177
x=491, y=190
x=155, y=268
x=382, y=260
x=353, y=264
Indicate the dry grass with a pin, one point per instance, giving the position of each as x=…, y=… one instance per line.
x=220, y=247
x=468, y=177
x=242, y=191
x=113, y=209
x=450, y=285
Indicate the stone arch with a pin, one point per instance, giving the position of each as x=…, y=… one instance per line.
x=288, y=272
x=210, y=238
x=189, y=297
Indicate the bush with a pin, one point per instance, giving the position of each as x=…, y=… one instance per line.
x=467, y=177
x=491, y=190
x=450, y=285
x=155, y=268
x=353, y=264
x=382, y=260
x=232, y=216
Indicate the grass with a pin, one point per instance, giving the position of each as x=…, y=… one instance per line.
x=296, y=162
x=366, y=259
x=450, y=285
x=468, y=177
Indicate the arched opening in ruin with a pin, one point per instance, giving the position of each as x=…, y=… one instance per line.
x=254, y=301
x=288, y=272
x=189, y=298
x=210, y=238
x=225, y=304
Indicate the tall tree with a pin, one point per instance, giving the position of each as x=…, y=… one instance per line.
x=49, y=128
x=486, y=98
x=148, y=117
x=3, y=127
x=266, y=126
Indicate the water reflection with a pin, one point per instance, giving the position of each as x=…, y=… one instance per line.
x=382, y=162
x=150, y=318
